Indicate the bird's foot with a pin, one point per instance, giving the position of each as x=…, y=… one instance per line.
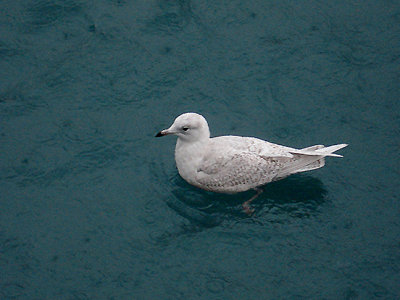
x=246, y=205
x=247, y=208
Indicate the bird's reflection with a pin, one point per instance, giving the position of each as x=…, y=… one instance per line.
x=296, y=196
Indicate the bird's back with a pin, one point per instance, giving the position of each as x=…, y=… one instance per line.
x=250, y=145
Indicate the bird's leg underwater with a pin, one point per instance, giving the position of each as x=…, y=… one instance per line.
x=246, y=205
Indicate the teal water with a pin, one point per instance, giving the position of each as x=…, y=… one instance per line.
x=91, y=204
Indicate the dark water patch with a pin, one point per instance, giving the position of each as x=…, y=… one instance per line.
x=18, y=266
x=8, y=51
x=16, y=105
x=73, y=148
x=194, y=215
x=44, y=13
x=173, y=17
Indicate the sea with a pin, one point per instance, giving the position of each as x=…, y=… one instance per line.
x=91, y=203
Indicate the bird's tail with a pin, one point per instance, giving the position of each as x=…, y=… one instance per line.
x=312, y=158
x=320, y=150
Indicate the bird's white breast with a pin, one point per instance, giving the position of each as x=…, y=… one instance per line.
x=188, y=157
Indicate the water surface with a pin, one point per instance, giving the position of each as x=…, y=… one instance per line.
x=91, y=203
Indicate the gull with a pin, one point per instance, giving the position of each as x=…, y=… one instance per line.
x=231, y=164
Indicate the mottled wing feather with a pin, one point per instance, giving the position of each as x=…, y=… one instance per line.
x=252, y=145
x=237, y=171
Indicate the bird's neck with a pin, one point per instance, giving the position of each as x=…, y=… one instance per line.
x=188, y=156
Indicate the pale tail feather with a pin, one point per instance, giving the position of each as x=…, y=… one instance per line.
x=308, y=163
x=317, y=150
x=328, y=151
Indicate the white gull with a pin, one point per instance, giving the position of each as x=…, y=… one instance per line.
x=231, y=164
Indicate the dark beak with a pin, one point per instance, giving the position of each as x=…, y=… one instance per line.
x=159, y=134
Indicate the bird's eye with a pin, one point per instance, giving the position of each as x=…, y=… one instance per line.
x=185, y=128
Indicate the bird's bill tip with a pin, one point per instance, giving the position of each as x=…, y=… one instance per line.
x=163, y=132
